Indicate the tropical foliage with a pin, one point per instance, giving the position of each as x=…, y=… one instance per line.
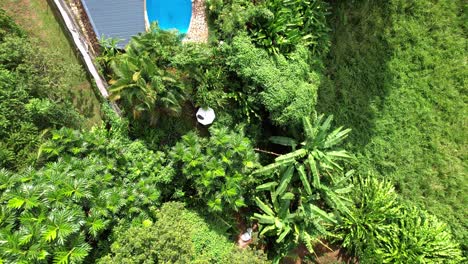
x=142, y=78
x=281, y=25
x=382, y=228
x=287, y=88
x=178, y=236
x=30, y=97
x=397, y=77
x=309, y=190
x=155, y=186
x=216, y=170
x=278, y=26
x=65, y=209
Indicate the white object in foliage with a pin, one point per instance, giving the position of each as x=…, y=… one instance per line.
x=247, y=235
x=205, y=116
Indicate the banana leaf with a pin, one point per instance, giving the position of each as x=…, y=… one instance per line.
x=308, y=128
x=284, y=141
x=266, y=186
x=292, y=156
x=324, y=215
x=336, y=137
x=266, y=229
x=264, y=207
x=264, y=219
x=343, y=154
x=303, y=177
x=345, y=190
x=268, y=169
x=285, y=232
x=287, y=176
x=314, y=170
x=287, y=196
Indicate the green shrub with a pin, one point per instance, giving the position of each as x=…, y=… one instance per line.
x=280, y=26
x=286, y=87
x=382, y=229
x=8, y=26
x=136, y=245
x=32, y=97
x=178, y=236
x=276, y=26
x=90, y=182
x=215, y=171
x=229, y=16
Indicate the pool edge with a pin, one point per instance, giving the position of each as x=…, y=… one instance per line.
x=192, y=34
x=145, y=10
x=191, y=19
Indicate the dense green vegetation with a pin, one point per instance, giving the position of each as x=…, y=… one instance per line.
x=397, y=77
x=308, y=193
x=37, y=18
x=31, y=98
x=178, y=236
x=156, y=187
x=381, y=228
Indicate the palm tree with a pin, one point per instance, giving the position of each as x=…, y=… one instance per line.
x=39, y=221
x=130, y=86
x=143, y=79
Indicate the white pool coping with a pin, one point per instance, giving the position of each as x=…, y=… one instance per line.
x=192, y=19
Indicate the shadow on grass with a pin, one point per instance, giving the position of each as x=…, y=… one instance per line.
x=356, y=72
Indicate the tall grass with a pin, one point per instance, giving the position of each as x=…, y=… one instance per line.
x=397, y=76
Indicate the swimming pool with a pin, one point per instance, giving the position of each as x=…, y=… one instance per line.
x=170, y=14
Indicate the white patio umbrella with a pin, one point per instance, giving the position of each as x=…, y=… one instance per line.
x=205, y=116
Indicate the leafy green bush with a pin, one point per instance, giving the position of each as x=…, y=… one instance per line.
x=65, y=211
x=228, y=17
x=215, y=170
x=278, y=26
x=287, y=88
x=205, y=74
x=31, y=96
x=178, y=236
x=8, y=26
x=382, y=229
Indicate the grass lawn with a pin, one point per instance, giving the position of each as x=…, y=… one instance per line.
x=397, y=76
x=37, y=18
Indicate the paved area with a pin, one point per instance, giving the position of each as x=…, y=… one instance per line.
x=198, y=30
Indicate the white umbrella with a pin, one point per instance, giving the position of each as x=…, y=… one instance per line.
x=205, y=116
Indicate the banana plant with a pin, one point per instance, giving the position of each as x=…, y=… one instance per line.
x=308, y=190
x=319, y=155
x=276, y=216
x=289, y=215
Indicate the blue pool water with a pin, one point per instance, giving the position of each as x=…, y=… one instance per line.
x=170, y=14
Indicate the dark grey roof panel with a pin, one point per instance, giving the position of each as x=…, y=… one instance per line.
x=120, y=19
